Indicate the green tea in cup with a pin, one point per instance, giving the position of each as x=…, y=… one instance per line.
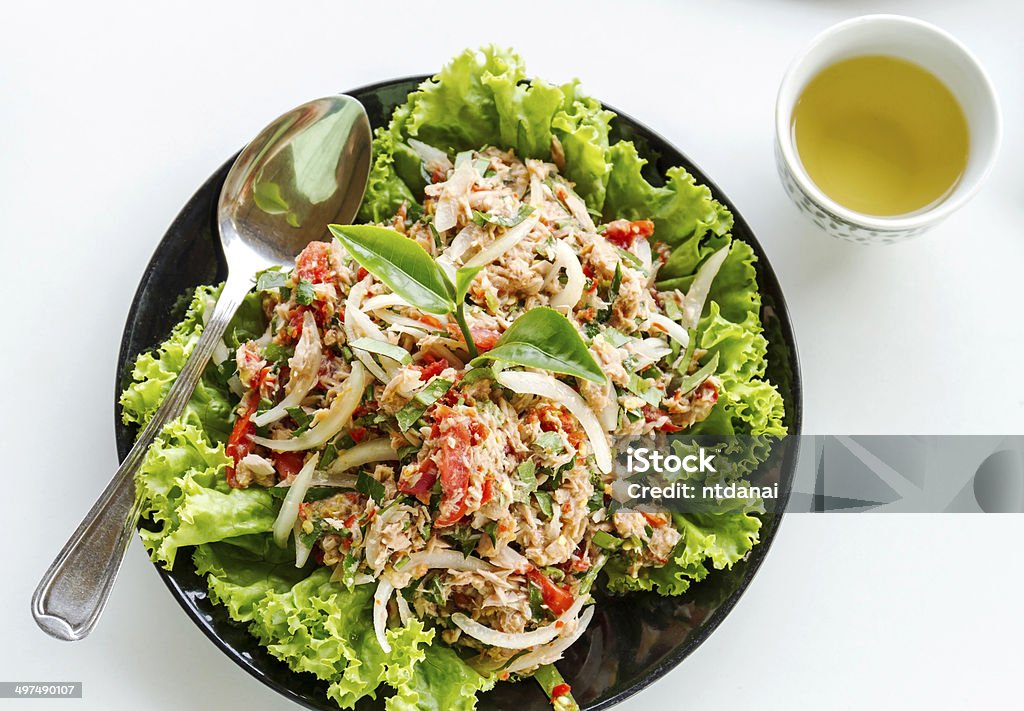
x=881, y=135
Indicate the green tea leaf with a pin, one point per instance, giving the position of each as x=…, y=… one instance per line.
x=543, y=338
x=463, y=280
x=366, y=484
x=272, y=278
x=400, y=263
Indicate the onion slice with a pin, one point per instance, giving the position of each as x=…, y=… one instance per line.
x=552, y=652
x=338, y=415
x=304, y=366
x=380, y=612
x=302, y=551
x=289, y=512
x=546, y=386
x=571, y=293
x=446, y=559
x=372, y=450
x=693, y=304
x=518, y=640
x=354, y=316
x=503, y=244
x=667, y=325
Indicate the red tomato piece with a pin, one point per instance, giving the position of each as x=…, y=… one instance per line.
x=287, y=463
x=421, y=482
x=484, y=338
x=432, y=368
x=622, y=233
x=557, y=599
x=314, y=263
x=358, y=434
x=454, y=465
x=239, y=445
x=560, y=690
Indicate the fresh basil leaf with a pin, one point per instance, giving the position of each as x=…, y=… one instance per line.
x=304, y=292
x=299, y=415
x=372, y=345
x=272, y=278
x=400, y=263
x=366, y=484
x=543, y=338
x=543, y=499
x=690, y=382
x=463, y=280
x=482, y=218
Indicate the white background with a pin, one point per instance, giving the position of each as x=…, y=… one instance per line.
x=111, y=114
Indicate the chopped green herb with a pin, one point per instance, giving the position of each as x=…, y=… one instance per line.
x=691, y=346
x=482, y=218
x=645, y=390
x=301, y=419
x=372, y=345
x=615, y=337
x=366, y=484
x=690, y=382
x=426, y=397
x=603, y=539
x=549, y=441
x=272, y=278
x=329, y=454
x=634, y=261
x=527, y=472
x=491, y=529
x=304, y=292
x=276, y=353
x=544, y=503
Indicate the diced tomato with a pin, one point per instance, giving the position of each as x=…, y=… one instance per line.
x=287, y=463
x=361, y=273
x=560, y=690
x=708, y=391
x=358, y=434
x=622, y=233
x=654, y=519
x=365, y=409
x=484, y=338
x=314, y=263
x=420, y=483
x=488, y=491
x=431, y=321
x=557, y=599
x=652, y=413
x=432, y=368
x=239, y=445
x=454, y=466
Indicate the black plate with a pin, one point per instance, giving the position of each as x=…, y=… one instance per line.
x=633, y=641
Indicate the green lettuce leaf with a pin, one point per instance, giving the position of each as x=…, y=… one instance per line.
x=440, y=682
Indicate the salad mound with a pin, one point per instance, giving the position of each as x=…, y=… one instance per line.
x=397, y=471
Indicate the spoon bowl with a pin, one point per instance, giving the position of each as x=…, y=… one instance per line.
x=305, y=170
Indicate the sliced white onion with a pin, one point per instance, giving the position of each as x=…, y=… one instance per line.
x=643, y=252
x=339, y=414
x=498, y=247
x=393, y=318
x=302, y=551
x=404, y=613
x=571, y=293
x=304, y=367
x=579, y=211
x=665, y=324
x=381, y=301
x=653, y=349
x=289, y=512
x=511, y=559
x=693, y=304
x=372, y=545
x=430, y=155
x=380, y=612
x=546, y=386
x=518, y=640
x=453, y=191
x=447, y=559
x=552, y=652
x=357, y=324
x=372, y=450
x=609, y=415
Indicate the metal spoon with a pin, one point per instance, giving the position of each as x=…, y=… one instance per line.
x=304, y=171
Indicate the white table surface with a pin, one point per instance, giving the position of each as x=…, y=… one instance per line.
x=113, y=113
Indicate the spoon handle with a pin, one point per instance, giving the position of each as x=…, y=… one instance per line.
x=71, y=595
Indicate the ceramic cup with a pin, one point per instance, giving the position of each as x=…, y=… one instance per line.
x=929, y=47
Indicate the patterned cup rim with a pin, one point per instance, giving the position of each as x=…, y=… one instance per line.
x=797, y=76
